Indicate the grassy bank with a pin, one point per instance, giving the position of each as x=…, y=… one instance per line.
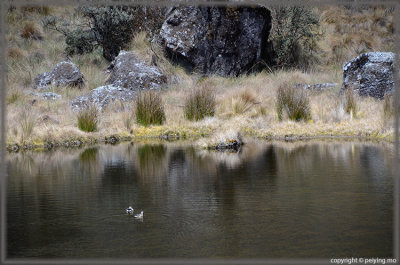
x=246, y=104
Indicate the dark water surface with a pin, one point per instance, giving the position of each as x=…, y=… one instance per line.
x=276, y=200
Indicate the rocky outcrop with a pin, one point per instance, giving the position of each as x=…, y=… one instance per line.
x=370, y=74
x=64, y=74
x=227, y=41
x=128, y=71
x=102, y=97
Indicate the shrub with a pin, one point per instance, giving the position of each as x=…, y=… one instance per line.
x=199, y=104
x=110, y=27
x=79, y=41
x=30, y=30
x=294, y=101
x=88, y=119
x=294, y=33
x=149, y=108
x=350, y=103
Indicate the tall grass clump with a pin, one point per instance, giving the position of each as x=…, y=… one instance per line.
x=27, y=124
x=149, y=108
x=389, y=110
x=294, y=102
x=388, y=106
x=13, y=96
x=31, y=30
x=199, y=104
x=350, y=103
x=243, y=102
x=88, y=119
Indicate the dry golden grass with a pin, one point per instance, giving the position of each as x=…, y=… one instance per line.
x=349, y=32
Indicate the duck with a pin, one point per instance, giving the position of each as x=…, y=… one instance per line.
x=129, y=210
x=139, y=216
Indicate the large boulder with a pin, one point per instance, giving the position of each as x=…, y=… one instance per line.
x=370, y=74
x=102, y=96
x=64, y=74
x=227, y=41
x=129, y=72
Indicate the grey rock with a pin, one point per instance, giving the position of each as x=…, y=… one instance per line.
x=64, y=74
x=102, y=97
x=317, y=87
x=227, y=41
x=370, y=74
x=46, y=95
x=233, y=145
x=128, y=71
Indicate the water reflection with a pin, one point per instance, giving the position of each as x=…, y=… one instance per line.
x=305, y=199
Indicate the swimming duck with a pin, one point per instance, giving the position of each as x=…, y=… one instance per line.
x=129, y=210
x=139, y=216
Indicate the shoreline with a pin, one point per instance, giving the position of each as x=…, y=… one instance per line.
x=165, y=133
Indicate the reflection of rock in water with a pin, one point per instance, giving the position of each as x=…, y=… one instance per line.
x=373, y=162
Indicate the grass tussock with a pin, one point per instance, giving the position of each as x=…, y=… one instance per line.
x=199, y=104
x=350, y=103
x=88, y=119
x=149, y=108
x=127, y=120
x=31, y=30
x=389, y=110
x=243, y=102
x=13, y=96
x=293, y=102
x=16, y=53
x=388, y=107
x=27, y=124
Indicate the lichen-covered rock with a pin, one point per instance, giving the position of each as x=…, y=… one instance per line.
x=129, y=72
x=225, y=140
x=102, y=97
x=370, y=74
x=227, y=41
x=317, y=87
x=64, y=74
x=46, y=95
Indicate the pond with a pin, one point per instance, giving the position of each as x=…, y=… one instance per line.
x=321, y=199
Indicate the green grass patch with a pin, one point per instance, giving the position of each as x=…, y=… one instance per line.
x=149, y=109
x=294, y=102
x=199, y=104
x=88, y=119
